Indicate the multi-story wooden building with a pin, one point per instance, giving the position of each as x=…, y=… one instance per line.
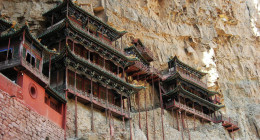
x=90, y=67
x=21, y=60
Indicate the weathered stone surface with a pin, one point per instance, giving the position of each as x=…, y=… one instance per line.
x=21, y=123
x=220, y=37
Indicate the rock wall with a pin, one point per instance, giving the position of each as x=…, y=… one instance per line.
x=220, y=37
x=17, y=121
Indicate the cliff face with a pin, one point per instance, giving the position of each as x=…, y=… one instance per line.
x=220, y=37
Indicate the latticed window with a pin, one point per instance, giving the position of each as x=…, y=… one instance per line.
x=102, y=92
x=79, y=83
x=107, y=65
x=85, y=54
x=101, y=61
x=87, y=85
x=71, y=78
x=110, y=97
x=95, y=89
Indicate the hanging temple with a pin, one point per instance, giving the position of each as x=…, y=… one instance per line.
x=80, y=57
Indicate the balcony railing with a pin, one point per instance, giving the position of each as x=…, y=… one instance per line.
x=96, y=65
x=34, y=70
x=100, y=102
x=141, y=66
x=229, y=120
x=100, y=39
x=145, y=50
x=189, y=109
x=186, y=76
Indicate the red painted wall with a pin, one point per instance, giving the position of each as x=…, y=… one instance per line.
x=38, y=103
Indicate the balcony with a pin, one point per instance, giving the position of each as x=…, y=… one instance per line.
x=147, y=54
x=101, y=39
x=18, y=61
x=177, y=105
x=99, y=103
x=100, y=67
x=188, y=77
x=36, y=72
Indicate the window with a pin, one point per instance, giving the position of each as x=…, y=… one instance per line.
x=30, y=58
x=102, y=92
x=85, y=54
x=53, y=103
x=71, y=78
x=33, y=91
x=87, y=85
x=95, y=89
x=79, y=83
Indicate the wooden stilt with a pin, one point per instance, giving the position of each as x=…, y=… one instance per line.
x=128, y=101
x=178, y=120
x=187, y=125
x=124, y=123
x=182, y=125
x=92, y=113
x=106, y=102
x=9, y=42
x=153, y=108
x=147, y=134
x=161, y=101
x=172, y=118
x=110, y=126
x=76, y=116
x=139, y=114
x=194, y=125
x=65, y=111
x=76, y=100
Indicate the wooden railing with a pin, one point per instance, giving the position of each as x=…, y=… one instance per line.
x=98, y=38
x=229, y=120
x=189, y=109
x=141, y=66
x=101, y=102
x=34, y=70
x=96, y=65
x=186, y=76
x=145, y=50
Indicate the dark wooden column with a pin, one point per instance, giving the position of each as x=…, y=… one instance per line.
x=9, y=42
x=161, y=101
x=92, y=113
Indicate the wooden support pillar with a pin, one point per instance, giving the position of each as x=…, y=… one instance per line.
x=92, y=113
x=130, y=120
x=76, y=100
x=187, y=124
x=202, y=112
x=76, y=116
x=182, y=125
x=178, y=120
x=172, y=118
x=153, y=109
x=9, y=42
x=50, y=69
x=138, y=99
x=121, y=104
x=110, y=125
x=65, y=114
x=162, y=112
x=106, y=102
x=194, y=125
x=147, y=134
